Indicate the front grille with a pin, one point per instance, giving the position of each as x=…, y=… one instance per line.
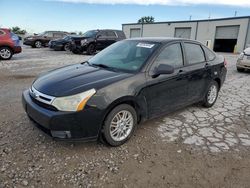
x=46, y=106
x=41, y=99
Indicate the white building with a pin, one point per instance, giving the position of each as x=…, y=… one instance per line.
x=221, y=35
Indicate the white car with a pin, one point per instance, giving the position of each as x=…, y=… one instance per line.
x=243, y=61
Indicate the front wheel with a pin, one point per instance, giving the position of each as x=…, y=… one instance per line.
x=91, y=49
x=5, y=53
x=120, y=125
x=211, y=95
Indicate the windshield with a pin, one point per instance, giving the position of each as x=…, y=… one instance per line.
x=66, y=38
x=41, y=34
x=90, y=33
x=125, y=56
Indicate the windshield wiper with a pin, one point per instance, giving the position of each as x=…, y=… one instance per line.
x=85, y=62
x=102, y=66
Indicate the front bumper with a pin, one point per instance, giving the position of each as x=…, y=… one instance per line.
x=17, y=49
x=244, y=64
x=84, y=125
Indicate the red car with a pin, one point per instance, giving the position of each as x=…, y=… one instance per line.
x=9, y=44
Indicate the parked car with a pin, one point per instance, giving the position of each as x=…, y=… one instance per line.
x=94, y=40
x=125, y=84
x=243, y=62
x=42, y=39
x=63, y=43
x=9, y=44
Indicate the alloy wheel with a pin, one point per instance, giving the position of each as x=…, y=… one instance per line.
x=121, y=125
x=5, y=53
x=212, y=94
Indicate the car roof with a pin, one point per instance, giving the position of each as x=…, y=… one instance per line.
x=160, y=39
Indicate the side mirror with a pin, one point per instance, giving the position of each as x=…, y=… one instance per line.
x=163, y=69
x=98, y=36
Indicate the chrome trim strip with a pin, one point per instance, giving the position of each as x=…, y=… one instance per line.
x=37, y=95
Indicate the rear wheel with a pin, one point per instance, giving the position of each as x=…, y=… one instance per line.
x=91, y=49
x=66, y=47
x=5, y=53
x=240, y=69
x=211, y=95
x=38, y=44
x=120, y=125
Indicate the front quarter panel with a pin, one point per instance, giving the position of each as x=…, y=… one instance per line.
x=128, y=89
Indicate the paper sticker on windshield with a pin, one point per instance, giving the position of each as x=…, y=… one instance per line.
x=145, y=45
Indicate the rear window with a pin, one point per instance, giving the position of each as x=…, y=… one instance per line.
x=210, y=55
x=120, y=34
x=111, y=34
x=194, y=53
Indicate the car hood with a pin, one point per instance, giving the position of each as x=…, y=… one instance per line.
x=75, y=79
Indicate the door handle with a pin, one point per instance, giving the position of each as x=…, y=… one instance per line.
x=206, y=65
x=181, y=71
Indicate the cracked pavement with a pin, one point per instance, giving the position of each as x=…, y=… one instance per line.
x=225, y=126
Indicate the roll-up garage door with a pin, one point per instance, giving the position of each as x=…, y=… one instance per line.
x=226, y=38
x=227, y=32
x=184, y=32
x=135, y=33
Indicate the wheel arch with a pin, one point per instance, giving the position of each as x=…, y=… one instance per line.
x=218, y=82
x=130, y=100
x=7, y=46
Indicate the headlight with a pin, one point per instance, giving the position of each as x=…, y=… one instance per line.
x=241, y=57
x=73, y=103
x=83, y=41
x=29, y=38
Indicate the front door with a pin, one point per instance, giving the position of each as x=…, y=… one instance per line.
x=167, y=92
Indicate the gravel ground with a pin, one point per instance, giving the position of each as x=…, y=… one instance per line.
x=193, y=147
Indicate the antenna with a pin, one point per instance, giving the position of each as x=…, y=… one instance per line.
x=235, y=13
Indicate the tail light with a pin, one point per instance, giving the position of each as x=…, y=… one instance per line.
x=225, y=63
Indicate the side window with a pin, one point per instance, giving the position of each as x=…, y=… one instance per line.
x=111, y=34
x=194, y=53
x=57, y=35
x=103, y=34
x=171, y=55
x=48, y=34
x=210, y=55
x=1, y=32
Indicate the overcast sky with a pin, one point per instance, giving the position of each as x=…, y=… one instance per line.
x=82, y=15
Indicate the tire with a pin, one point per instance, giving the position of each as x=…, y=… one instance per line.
x=5, y=53
x=121, y=131
x=66, y=47
x=211, y=95
x=240, y=69
x=91, y=49
x=75, y=52
x=38, y=44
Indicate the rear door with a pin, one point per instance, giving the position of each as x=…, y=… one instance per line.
x=102, y=40
x=111, y=37
x=167, y=92
x=198, y=71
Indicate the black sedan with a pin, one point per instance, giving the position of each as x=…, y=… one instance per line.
x=61, y=44
x=125, y=84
